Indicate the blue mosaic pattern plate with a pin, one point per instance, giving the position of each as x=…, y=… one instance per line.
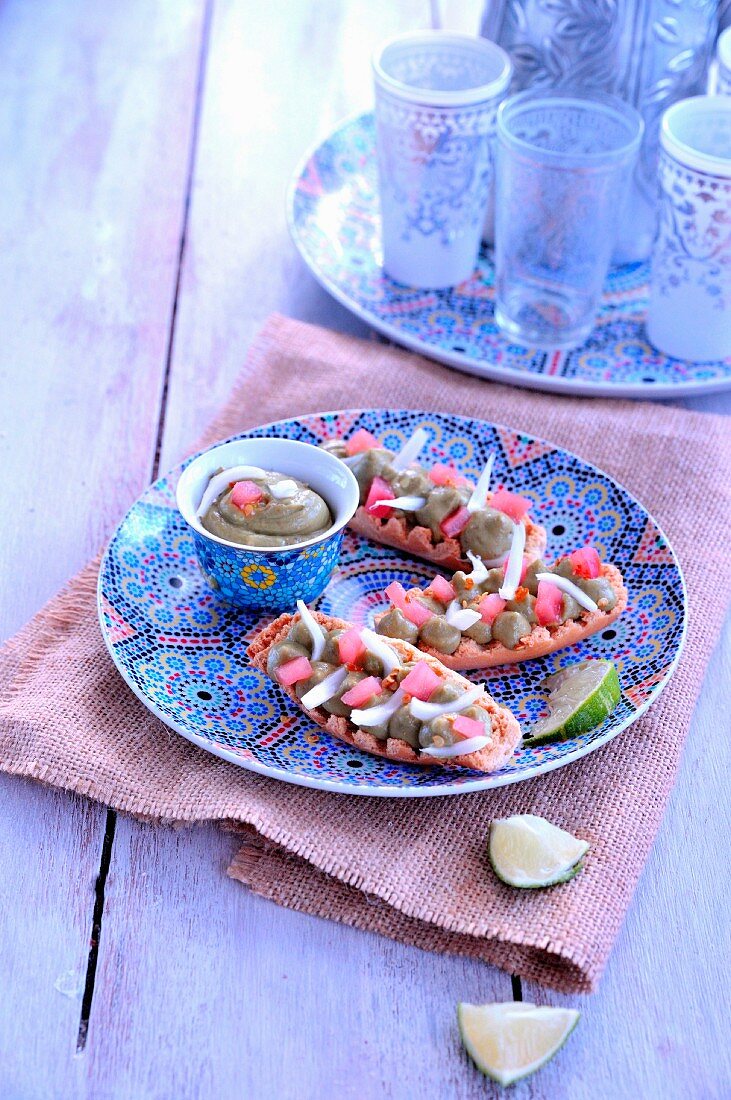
x=182, y=650
x=333, y=216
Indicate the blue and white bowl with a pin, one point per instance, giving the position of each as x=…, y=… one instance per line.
x=269, y=576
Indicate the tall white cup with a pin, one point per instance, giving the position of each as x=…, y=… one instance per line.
x=689, y=315
x=437, y=95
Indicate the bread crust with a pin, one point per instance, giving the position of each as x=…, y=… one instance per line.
x=505, y=729
x=419, y=540
x=540, y=641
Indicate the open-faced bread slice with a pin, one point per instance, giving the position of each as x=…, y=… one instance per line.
x=541, y=639
x=505, y=729
x=419, y=541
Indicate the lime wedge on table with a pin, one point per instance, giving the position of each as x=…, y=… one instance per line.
x=509, y=1041
x=530, y=852
x=581, y=697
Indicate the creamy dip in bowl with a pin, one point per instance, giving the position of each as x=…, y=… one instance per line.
x=267, y=518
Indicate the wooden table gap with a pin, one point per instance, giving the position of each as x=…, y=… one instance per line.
x=190, y=169
x=111, y=817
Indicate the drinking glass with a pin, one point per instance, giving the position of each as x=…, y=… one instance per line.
x=437, y=94
x=564, y=162
x=689, y=315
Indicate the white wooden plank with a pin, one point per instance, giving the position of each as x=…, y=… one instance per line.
x=95, y=115
x=209, y=991
x=202, y=988
x=94, y=124
x=658, y=1027
x=49, y=854
x=279, y=76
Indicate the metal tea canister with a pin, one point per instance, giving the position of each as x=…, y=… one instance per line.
x=689, y=314
x=437, y=95
x=650, y=53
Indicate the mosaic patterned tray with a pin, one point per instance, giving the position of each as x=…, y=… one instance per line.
x=181, y=649
x=333, y=217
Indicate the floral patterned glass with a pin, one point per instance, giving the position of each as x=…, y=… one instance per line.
x=563, y=165
x=436, y=98
x=690, y=285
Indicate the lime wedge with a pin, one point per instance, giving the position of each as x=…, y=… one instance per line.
x=581, y=697
x=530, y=852
x=509, y=1041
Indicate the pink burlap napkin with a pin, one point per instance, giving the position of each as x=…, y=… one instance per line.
x=414, y=870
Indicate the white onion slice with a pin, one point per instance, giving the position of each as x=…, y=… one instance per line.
x=283, y=490
x=325, y=690
x=479, y=568
x=221, y=481
x=315, y=630
x=374, y=716
x=411, y=449
x=426, y=711
x=461, y=617
x=515, y=564
x=493, y=563
x=406, y=504
x=375, y=644
x=570, y=589
x=461, y=748
x=479, y=493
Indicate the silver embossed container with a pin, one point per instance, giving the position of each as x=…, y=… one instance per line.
x=649, y=52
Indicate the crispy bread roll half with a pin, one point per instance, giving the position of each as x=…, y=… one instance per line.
x=513, y=634
x=279, y=646
x=419, y=541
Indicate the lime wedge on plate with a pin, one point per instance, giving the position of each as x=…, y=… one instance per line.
x=509, y=1041
x=581, y=697
x=530, y=852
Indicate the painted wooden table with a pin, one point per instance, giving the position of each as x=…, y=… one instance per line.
x=145, y=150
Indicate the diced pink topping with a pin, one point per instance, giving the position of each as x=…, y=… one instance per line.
x=441, y=589
x=510, y=504
x=421, y=682
x=362, y=692
x=454, y=525
x=245, y=492
x=586, y=563
x=351, y=647
x=361, y=441
x=410, y=608
x=379, y=490
x=490, y=606
x=294, y=671
x=548, y=603
x=441, y=474
x=523, y=568
x=468, y=727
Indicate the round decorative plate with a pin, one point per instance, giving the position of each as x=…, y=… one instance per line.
x=182, y=650
x=332, y=209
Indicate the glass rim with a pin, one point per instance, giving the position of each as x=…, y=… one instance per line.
x=605, y=103
x=429, y=97
x=689, y=155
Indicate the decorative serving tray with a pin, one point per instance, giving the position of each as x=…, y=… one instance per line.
x=182, y=650
x=334, y=220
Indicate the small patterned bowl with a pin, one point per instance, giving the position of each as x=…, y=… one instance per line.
x=269, y=576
